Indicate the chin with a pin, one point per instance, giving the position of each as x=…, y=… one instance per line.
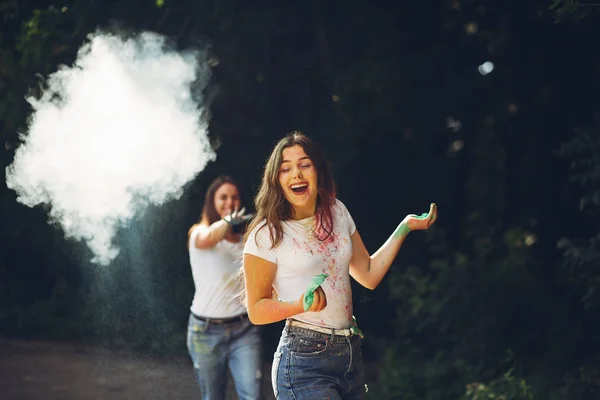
x=295, y=202
x=298, y=206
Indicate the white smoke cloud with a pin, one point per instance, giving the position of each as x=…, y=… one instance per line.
x=117, y=131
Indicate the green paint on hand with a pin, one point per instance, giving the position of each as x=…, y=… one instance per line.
x=309, y=295
x=355, y=329
x=403, y=229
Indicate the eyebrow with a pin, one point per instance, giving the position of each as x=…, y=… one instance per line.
x=300, y=159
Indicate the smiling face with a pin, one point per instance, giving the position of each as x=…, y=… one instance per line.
x=227, y=199
x=298, y=181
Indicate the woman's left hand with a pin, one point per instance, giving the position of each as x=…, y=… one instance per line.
x=421, y=222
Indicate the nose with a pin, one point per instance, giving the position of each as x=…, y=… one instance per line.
x=298, y=173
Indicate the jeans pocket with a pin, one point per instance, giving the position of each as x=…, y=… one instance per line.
x=275, y=372
x=309, y=346
x=196, y=325
x=196, y=336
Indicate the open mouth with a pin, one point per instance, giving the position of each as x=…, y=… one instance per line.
x=299, y=188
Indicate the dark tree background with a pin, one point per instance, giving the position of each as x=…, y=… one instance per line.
x=501, y=298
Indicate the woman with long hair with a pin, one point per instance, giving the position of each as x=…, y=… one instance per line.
x=303, y=244
x=220, y=335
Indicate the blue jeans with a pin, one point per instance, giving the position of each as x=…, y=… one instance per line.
x=313, y=365
x=215, y=347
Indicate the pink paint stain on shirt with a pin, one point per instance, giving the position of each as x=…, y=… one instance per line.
x=348, y=312
x=295, y=244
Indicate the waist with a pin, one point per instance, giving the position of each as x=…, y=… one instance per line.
x=228, y=320
x=290, y=322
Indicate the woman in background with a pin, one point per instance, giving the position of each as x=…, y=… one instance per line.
x=220, y=335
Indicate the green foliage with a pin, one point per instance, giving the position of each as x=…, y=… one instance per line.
x=451, y=316
x=573, y=10
x=506, y=387
x=582, y=254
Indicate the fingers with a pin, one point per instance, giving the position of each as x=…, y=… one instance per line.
x=432, y=214
x=319, y=300
x=316, y=301
x=237, y=213
x=423, y=221
x=238, y=216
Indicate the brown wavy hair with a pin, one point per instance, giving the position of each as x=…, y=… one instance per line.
x=270, y=203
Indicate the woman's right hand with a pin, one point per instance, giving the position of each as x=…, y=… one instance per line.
x=319, y=300
x=237, y=217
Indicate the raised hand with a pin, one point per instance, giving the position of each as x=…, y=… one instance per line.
x=421, y=222
x=237, y=217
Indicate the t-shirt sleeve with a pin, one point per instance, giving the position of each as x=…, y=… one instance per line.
x=195, y=232
x=259, y=244
x=347, y=217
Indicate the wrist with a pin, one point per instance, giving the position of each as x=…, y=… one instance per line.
x=402, y=230
x=298, y=307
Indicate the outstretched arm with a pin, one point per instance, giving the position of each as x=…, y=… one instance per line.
x=370, y=270
x=212, y=235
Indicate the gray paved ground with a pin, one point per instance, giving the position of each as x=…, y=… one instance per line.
x=37, y=370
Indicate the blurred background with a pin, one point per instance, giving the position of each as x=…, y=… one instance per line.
x=490, y=109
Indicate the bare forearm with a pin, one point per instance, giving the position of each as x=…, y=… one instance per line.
x=213, y=235
x=382, y=259
x=267, y=311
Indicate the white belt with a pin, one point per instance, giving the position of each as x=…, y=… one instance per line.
x=320, y=329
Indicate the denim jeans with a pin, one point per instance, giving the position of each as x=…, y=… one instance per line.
x=313, y=365
x=216, y=347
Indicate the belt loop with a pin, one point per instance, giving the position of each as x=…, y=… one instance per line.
x=332, y=337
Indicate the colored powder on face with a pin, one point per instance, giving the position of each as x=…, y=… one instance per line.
x=309, y=295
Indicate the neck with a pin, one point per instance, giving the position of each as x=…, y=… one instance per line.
x=304, y=212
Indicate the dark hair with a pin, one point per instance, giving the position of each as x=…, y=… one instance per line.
x=270, y=202
x=209, y=213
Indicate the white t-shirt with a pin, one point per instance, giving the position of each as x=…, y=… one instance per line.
x=300, y=256
x=214, y=271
